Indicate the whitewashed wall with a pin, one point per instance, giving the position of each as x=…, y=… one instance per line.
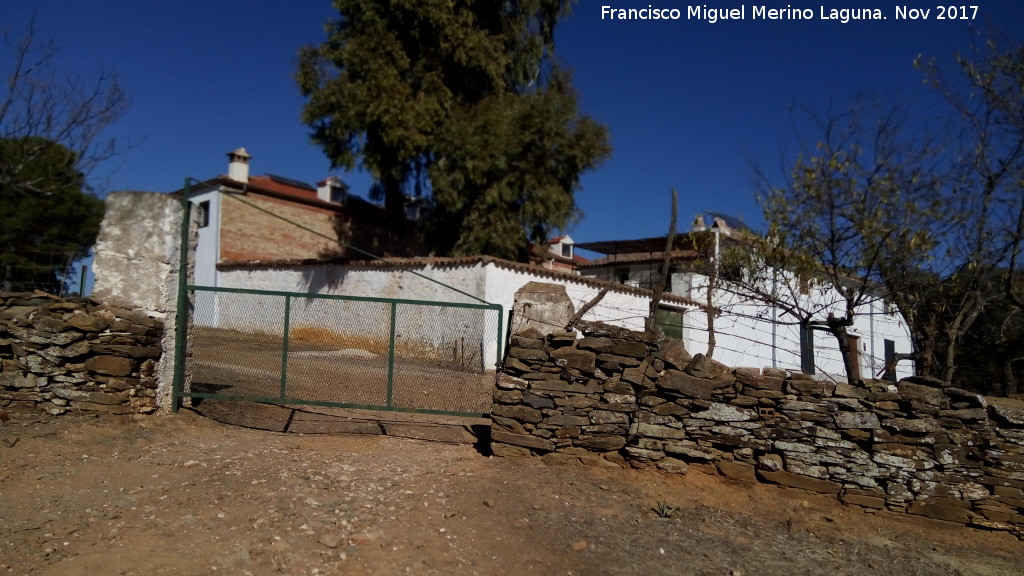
x=752, y=334
x=485, y=280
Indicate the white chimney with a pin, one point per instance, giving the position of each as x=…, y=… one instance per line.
x=238, y=165
x=332, y=189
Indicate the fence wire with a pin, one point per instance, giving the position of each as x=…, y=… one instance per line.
x=28, y=270
x=352, y=352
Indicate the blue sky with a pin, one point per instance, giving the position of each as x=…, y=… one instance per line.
x=689, y=104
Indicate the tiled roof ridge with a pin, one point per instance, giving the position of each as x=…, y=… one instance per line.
x=457, y=261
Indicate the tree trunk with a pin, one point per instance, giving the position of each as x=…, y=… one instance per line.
x=839, y=330
x=969, y=312
x=666, y=260
x=712, y=282
x=1011, y=385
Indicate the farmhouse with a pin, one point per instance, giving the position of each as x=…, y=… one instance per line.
x=748, y=333
x=270, y=217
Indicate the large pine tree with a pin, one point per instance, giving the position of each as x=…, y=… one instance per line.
x=48, y=218
x=461, y=102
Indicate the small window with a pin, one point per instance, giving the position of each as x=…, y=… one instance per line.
x=567, y=250
x=890, y=309
x=622, y=275
x=338, y=195
x=890, y=360
x=806, y=350
x=670, y=320
x=204, y=214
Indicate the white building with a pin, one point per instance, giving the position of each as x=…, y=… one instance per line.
x=750, y=333
x=470, y=280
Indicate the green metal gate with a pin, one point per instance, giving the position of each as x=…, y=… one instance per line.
x=331, y=350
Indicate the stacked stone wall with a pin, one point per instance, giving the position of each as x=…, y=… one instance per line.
x=58, y=357
x=911, y=447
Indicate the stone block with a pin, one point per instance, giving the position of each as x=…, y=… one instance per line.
x=644, y=454
x=815, y=388
x=524, y=440
x=862, y=420
x=517, y=365
x=576, y=359
x=770, y=462
x=737, y=471
x=673, y=466
x=618, y=362
x=800, y=482
x=12, y=379
x=528, y=354
x=658, y=431
x=506, y=396
x=939, y=511
x=129, y=351
x=966, y=415
x=91, y=397
x=48, y=324
x=686, y=385
x=608, y=417
x=88, y=322
x=508, y=424
x=521, y=341
x=674, y=354
x=670, y=409
x=703, y=367
x=561, y=459
x=564, y=420
x=542, y=307
x=603, y=443
x=509, y=450
x=916, y=426
x=1008, y=412
x=627, y=348
x=725, y=413
x=110, y=365
x=520, y=413
x=921, y=393
x=617, y=387
x=844, y=390
x=535, y=401
x=864, y=501
x=116, y=409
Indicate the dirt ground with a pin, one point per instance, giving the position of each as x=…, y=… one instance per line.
x=185, y=494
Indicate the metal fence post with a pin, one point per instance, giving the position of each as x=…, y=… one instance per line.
x=391, y=356
x=284, y=347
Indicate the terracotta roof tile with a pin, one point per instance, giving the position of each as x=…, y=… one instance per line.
x=438, y=262
x=636, y=257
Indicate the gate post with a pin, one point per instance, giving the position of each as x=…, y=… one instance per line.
x=181, y=316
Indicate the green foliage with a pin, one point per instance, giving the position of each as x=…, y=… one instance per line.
x=459, y=101
x=935, y=224
x=45, y=209
x=664, y=510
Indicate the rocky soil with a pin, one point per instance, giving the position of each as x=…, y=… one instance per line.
x=188, y=495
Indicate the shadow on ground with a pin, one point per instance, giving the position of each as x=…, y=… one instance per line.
x=337, y=421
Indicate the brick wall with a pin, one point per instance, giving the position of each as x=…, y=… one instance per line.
x=250, y=234
x=606, y=398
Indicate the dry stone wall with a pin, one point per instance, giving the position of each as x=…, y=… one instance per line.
x=73, y=356
x=614, y=398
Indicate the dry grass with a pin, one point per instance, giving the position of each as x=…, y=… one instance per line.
x=454, y=354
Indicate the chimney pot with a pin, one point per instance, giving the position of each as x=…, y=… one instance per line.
x=238, y=165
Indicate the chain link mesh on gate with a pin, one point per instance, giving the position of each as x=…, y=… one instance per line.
x=342, y=351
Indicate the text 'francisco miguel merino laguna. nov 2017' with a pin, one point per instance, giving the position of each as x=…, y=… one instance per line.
x=712, y=15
